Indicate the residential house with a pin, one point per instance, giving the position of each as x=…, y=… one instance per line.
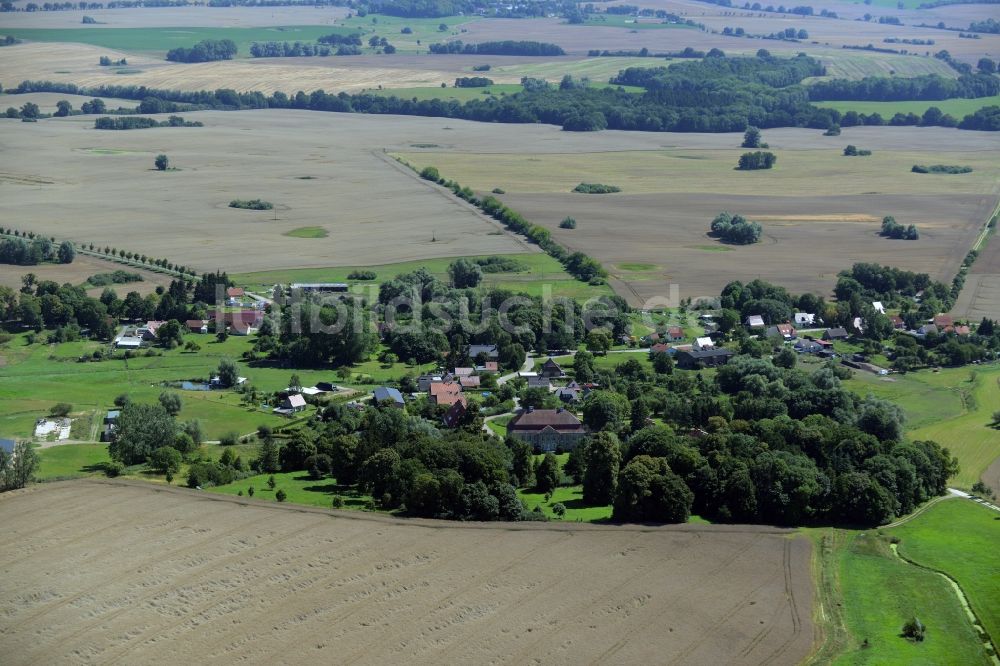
x=235, y=292
x=551, y=370
x=961, y=329
x=464, y=372
x=384, y=395
x=927, y=329
x=244, y=322
x=784, y=331
x=197, y=325
x=567, y=394
x=489, y=368
x=470, y=382
x=148, y=332
x=540, y=382
x=703, y=358
x=675, y=333
x=491, y=351
x=943, y=321
x=878, y=307
x=547, y=429
x=755, y=321
x=897, y=322
x=445, y=393
x=804, y=319
x=835, y=334
x=661, y=348
x=453, y=417
x=704, y=343
x=808, y=347
x=424, y=382
x=291, y=404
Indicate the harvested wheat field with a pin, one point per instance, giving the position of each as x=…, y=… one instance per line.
x=83, y=267
x=91, y=186
x=102, y=571
x=820, y=211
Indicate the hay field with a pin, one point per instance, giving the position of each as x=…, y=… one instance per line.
x=125, y=572
x=71, y=181
x=821, y=211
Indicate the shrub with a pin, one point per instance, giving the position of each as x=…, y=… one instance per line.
x=568, y=223
x=161, y=162
x=559, y=509
x=854, y=151
x=497, y=190
x=61, y=409
x=337, y=502
x=481, y=68
x=596, y=188
x=113, y=469
x=940, y=168
x=271, y=483
x=280, y=495
x=362, y=275
x=892, y=229
x=251, y=204
x=914, y=630
x=832, y=130
x=430, y=173
x=756, y=160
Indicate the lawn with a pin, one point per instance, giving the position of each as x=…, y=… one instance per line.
x=953, y=407
x=299, y=488
x=35, y=377
x=572, y=498
x=876, y=592
x=960, y=538
x=499, y=424
x=957, y=107
x=542, y=275
x=71, y=460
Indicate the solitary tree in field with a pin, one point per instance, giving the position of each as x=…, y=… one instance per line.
x=161, y=162
x=751, y=138
x=63, y=108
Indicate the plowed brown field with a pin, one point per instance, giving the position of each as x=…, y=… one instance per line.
x=130, y=573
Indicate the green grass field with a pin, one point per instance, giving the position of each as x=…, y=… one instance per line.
x=542, y=272
x=298, y=487
x=960, y=538
x=957, y=107
x=71, y=460
x=308, y=232
x=161, y=40
x=953, y=407
x=879, y=592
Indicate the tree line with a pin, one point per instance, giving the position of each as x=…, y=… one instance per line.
x=927, y=87
x=207, y=50
x=140, y=122
x=506, y=47
x=22, y=252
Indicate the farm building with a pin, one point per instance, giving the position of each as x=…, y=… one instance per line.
x=547, y=429
x=675, y=333
x=197, y=325
x=385, y=395
x=703, y=358
x=319, y=287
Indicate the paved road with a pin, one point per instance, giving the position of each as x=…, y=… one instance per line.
x=529, y=363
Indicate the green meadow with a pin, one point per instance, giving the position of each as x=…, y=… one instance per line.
x=957, y=107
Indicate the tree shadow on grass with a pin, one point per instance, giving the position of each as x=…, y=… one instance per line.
x=580, y=504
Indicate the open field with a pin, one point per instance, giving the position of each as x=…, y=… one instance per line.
x=956, y=107
x=47, y=101
x=953, y=407
x=129, y=572
x=189, y=16
x=329, y=173
x=980, y=297
x=959, y=537
x=673, y=188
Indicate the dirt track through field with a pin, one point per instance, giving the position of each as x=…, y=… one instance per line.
x=126, y=572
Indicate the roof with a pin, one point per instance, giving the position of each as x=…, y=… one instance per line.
x=676, y=332
x=560, y=420
x=704, y=342
x=469, y=382
x=804, y=318
x=296, y=400
x=550, y=364
x=877, y=305
x=341, y=286
x=385, y=393
x=943, y=320
x=464, y=372
x=454, y=414
x=113, y=414
x=755, y=320
x=707, y=353
x=661, y=348
x=838, y=332
x=489, y=366
x=444, y=388
x=450, y=399
x=235, y=291
x=195, y=323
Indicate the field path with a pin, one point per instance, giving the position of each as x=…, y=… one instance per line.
x=127, y=572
